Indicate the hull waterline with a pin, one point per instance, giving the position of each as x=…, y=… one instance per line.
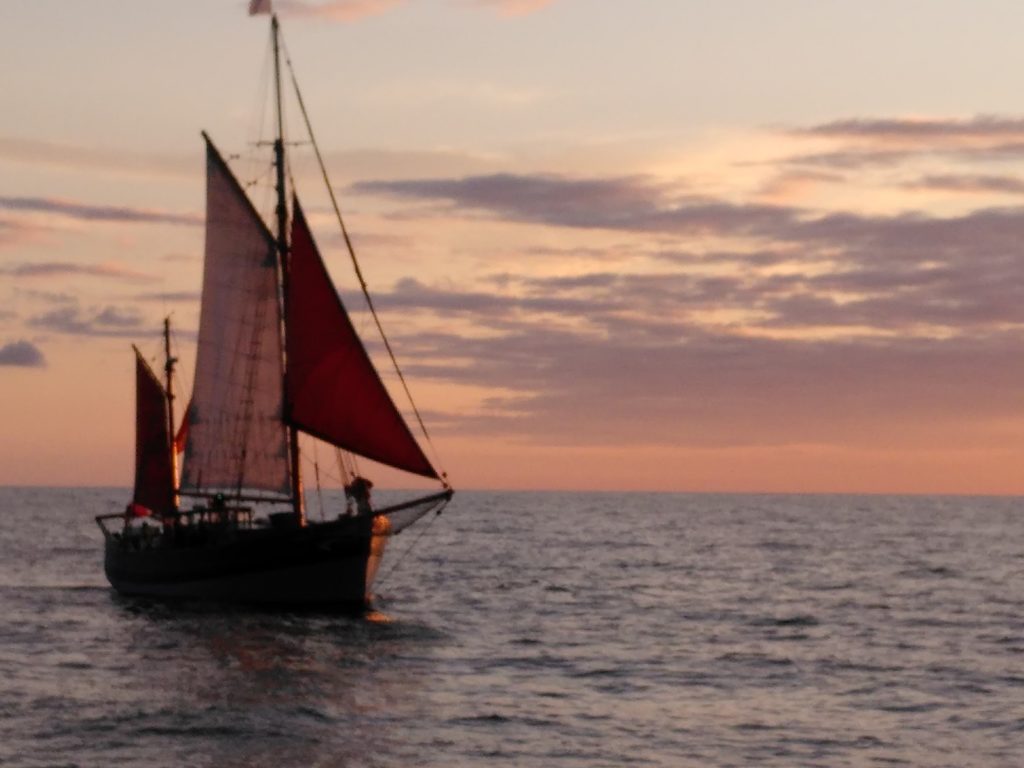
x=322, y=564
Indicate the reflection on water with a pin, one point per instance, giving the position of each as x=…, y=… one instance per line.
x=544, y=629
x=274, y=689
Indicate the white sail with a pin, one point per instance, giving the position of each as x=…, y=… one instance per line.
x=236, y=436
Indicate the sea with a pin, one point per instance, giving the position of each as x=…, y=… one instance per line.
x=556, y=630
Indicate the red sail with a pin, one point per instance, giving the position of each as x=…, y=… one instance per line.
x=154, y=473
x=333, y=391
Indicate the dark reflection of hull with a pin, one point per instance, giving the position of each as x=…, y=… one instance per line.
x=322, y=564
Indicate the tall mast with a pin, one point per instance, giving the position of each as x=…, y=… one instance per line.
x=168, y=372
x=282, y=256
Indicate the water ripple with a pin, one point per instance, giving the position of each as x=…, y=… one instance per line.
x=563, y=630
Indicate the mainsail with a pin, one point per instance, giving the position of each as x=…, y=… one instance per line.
x=333, y=391
x=154, y=473
x=237, y=437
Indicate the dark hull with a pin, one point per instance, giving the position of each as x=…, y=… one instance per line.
x=322, y=564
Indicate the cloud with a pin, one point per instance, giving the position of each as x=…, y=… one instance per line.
x=791, y=184
x=170, y=296
x=96, y=212
x=22, y=354
x=107, y=321
x=515, y=7
x=862, y=158
x=886, y=286
x=888, y=142
x=845, y=275
x=854, y=159
x=530, y=197
x=63, y=268
x=969, y=183
x=49, y=297
x=844, y=320
x=115, y=317
x=679, y=386
x=867, y=327
x=921, y=130
x=635, y=204
x=336, y=10
x=410, y=294
x=354, y=10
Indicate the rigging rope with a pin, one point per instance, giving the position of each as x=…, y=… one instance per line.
x=319, y=490
x=347, y=464
x=352, y=253
x=401, y=558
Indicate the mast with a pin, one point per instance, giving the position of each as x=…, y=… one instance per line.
x=169, y=388
x=282, y=257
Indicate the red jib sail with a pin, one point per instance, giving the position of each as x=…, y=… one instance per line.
x=154, y=473
x=333, y=391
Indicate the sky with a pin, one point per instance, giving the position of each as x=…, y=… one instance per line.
x=669, y=245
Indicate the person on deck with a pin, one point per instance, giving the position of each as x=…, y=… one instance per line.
x=218, y=508
x=135, y=511
x=359, y=491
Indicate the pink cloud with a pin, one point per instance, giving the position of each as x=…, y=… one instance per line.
x=932, y=131
x=792, y=185
x=515, y=7
x=353, y=10
x=337, y=10
x=67, y=269
x=86, y=212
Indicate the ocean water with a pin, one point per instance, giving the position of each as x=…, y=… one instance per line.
x=544, y=629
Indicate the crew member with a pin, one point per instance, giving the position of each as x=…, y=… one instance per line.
x=359, y=491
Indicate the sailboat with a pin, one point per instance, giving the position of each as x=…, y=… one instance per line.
x=277, y=356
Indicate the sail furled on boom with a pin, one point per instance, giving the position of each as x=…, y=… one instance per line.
x=154, y=472
x=333, y=391
x=237, y=437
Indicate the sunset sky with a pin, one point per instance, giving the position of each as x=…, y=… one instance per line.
x=661, y=244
